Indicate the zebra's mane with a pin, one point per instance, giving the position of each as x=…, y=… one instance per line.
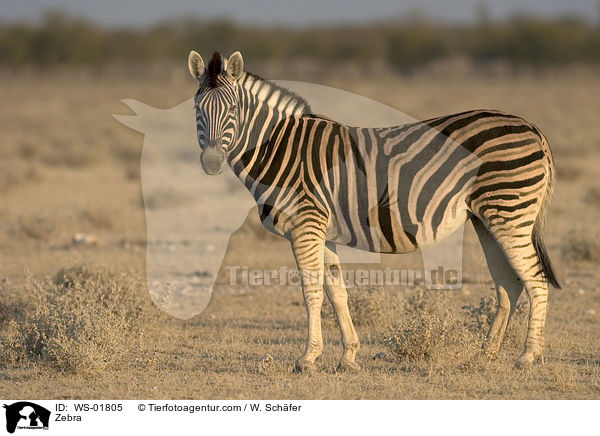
x=269, y=88
x=214, y=69
x=215, y=77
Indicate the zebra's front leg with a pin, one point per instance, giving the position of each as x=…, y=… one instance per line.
x=338, y=296
x=309, y=253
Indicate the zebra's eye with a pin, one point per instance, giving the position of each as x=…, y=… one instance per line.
x=232, y=109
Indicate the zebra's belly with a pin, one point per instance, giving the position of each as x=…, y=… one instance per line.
x=453, y=221
x=382, y=230
x=366, y=233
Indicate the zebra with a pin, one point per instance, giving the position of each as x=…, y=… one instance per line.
x=319, y=183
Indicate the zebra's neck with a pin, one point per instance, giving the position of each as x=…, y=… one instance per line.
x=263, y=105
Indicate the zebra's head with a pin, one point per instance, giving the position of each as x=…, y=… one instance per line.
x=217, y=107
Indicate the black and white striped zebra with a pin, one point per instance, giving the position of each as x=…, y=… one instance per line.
x=391, y=190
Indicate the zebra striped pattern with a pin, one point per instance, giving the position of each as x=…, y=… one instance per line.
x=390, y=190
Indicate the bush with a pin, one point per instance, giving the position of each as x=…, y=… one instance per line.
x=430, y=330
x=79, y=321
x=479, y=319
x=372, y=307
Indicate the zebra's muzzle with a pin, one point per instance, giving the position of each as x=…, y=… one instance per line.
x=212, y=160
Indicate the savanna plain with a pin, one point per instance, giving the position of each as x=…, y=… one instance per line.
x=77, y=321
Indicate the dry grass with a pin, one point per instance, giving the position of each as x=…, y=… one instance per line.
x=80, y=321
x=373, y=307
x=15, y=172
x=479, y=319
x=98, y=218
x=592, y=197
x=579, y=246
x=92, y=333
x=567, y=173
x=164, y=198
x=39, y=226
x=429, y=330
x=428, y=327
x=100, y=326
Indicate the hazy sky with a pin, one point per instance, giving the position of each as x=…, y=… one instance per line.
x=299, y=12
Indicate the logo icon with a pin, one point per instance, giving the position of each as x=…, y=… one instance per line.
x=26, y=415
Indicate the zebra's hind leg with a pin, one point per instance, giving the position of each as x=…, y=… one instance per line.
x=338, y=296
x=520, y=250
x=309, y=254
x=508, y=288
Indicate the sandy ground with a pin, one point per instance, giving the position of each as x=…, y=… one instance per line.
x=68, y=167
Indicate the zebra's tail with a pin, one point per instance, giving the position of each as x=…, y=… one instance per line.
x=540, y=249
x=536, y=236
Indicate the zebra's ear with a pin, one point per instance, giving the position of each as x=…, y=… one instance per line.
x=196, y=65
x=235, y=65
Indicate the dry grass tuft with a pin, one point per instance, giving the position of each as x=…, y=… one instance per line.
x=39, y=227
x=164, y=198
x=80, y=321
x=429, y=331
x=68, y=151
x=478, y=319
x=98, y=218
x=592, y=197
x=432, y=330
x=15, y=172
x=12, y=304
x=372, y=307
x=581, y=245
x=268, y=365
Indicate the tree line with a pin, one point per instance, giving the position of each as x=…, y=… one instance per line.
x=402, y=44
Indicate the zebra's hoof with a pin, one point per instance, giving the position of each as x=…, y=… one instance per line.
x=525, y=360
x=304, y=366
x=348, y=366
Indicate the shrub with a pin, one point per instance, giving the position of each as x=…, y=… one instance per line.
x=429, y=330
x=373, y=307
x=79, y=321
x=478, y=319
